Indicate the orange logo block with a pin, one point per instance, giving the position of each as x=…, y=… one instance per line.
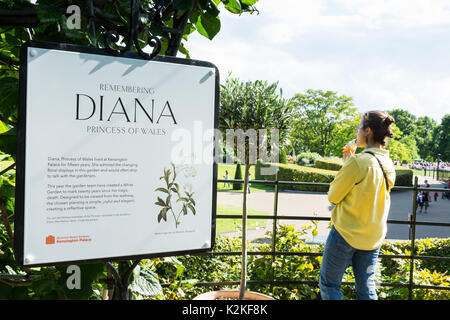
x=50, y=240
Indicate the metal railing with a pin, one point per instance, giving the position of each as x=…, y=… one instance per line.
x=437, y=174
x=273, y=253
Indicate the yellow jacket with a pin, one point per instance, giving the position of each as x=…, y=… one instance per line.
x=361, y=199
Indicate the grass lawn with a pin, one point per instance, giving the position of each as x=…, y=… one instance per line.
x=224, y=225
x=232, y=171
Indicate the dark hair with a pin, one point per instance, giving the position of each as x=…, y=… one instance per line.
x=380, y=122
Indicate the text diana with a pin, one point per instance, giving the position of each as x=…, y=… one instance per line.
x=87, y=108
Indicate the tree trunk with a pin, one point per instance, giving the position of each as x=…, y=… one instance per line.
x=243, y=284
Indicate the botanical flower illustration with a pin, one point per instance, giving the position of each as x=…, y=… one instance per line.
x=173, y=189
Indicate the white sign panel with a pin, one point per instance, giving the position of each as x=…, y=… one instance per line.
x=115, y=156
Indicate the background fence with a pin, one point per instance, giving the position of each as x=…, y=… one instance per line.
x=436, y=174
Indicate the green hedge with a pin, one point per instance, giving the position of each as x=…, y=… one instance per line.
x=307, y=158
x=328, y=164
x=293, y=172
x=404, y=176
x=289, y=267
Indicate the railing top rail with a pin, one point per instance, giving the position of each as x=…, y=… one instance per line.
x=325, y=184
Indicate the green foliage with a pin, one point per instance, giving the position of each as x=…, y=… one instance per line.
x=402, y=147
x=218, y=268
x=254, y=105
x=238, y=176
x=308, y=158
x=404, y=176
x=324, y=121
x=443, y=138
x=45, y=20
x=293, y=172
x=283, y=158
x=404, y=120
x=426, y=137
x=328, y=164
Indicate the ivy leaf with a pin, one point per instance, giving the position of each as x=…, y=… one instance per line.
x=232, y=5
x=210, y=7
x=7, y=189
x=249, y=2
x=9, y=93
x=182, y=5
x=146, y=283
x=208, y=25
x=8, y=142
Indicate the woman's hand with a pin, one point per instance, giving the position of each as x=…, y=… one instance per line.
x=347, y=153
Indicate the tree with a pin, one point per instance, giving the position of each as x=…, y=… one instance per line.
x=426, y=145
x=237, y=176
x=443, y=139
x=404, y=120
x=48, y=20
x=401, y=147
x=245, y=106
x=321, y=116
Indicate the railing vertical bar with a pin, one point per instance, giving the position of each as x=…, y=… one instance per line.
x=413, y=238
x=274, y=229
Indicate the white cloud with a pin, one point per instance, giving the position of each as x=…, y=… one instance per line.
x=382, y=53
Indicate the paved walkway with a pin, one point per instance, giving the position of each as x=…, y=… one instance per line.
x=297, y=203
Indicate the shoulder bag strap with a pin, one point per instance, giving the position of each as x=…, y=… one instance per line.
x=382, y=169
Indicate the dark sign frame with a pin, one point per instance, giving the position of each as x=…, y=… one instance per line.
x=19, y=231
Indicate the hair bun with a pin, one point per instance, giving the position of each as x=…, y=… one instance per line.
x=387, y=122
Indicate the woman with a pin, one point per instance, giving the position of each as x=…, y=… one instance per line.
x=360, y=192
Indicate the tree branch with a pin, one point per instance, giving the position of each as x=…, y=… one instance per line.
x=26, y=17
x=15, y=283
x=6, y=223
x=7, y=60
x=180, y=25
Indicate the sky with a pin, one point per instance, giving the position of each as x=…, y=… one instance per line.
x=385, y=54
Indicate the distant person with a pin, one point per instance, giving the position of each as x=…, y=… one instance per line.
x=249, y=184
x=435, y=196
x=227, y=177
x=426, y=197
x=420, y=200
x=361, y=194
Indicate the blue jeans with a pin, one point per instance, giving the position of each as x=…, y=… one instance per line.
x=337, y=256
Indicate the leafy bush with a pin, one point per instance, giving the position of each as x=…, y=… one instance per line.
x=404, y=176
x=298, y=267
x=306, y=158
x=328, y=164
x=293, y=172
x=283, y=158
x=238, y=176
